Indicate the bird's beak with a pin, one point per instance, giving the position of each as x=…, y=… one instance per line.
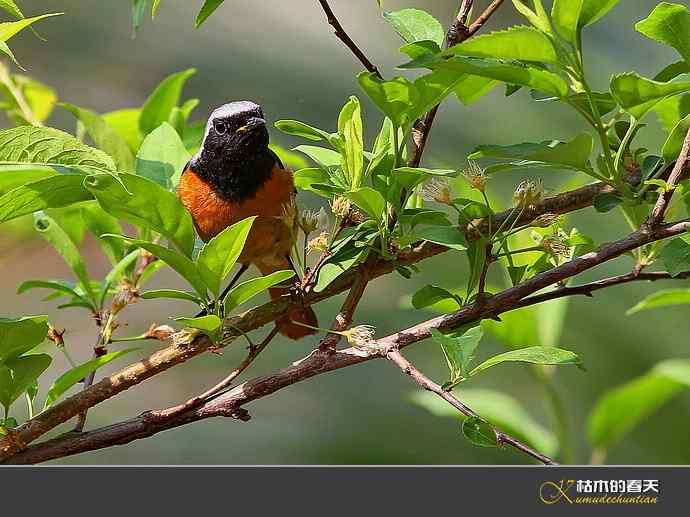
x=251, y=124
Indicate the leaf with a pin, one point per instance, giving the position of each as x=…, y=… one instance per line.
x=421, y=48
x=674, y=142
x=369, y=200
x=326, y=158
x=619, y=410
x=144, y=203
x=676, y=256
x=19, y=374
x=12, y=8
x=182, y=264
x=247, y=290
x=594, y=10
x=126, y=123
x=74, y=375
x=314, y=180
x=566, y=17
x=471, y=88
x=50, y=147
x=138, y=11
x=430, y=295
x=479, y=432
x=539, y=19
x=637, y=94
x=302, y=130
x=350, y=131
x=416, y=25
x=58, y=239
x=446, y=235
x=219, y=255
x=394, y=98
x=13, y=176
x=499, y=409
x=663, y=298
x=458, y=350
x=572, y=155
x=517, y=329
x=668, y=24
x=162, y=156
x=19, y=335
x=104, y=136
x=432, y=89
x=171, y=293
x=9, y=29
x=154, y=8
x=211, y=325
x=52, y=192
x=605, y=202
x=515, y=43
x=532, y=354
x=55, y=285
x=164, y=98
x=339, y=264
x=99, y=222
x=207, y=10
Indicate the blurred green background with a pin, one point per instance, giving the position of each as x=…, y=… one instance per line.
x=284, y=56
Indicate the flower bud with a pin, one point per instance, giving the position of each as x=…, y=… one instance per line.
x=528, y=192
x=438, y=190
x=475, y=176
x=546, y=220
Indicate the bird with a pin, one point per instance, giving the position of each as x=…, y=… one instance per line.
x=235, y=175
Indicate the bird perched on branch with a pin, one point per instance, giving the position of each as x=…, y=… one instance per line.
x=234, y=176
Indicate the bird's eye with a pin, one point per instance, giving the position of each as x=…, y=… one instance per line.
x=220, y=127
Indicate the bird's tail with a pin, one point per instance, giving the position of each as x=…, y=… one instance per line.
x=300, y=314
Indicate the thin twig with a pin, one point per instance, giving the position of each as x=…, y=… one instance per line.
x=424, y=382
x=657, y=215
x=345, y=38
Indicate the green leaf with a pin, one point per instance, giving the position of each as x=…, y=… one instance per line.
x=247, y=290
x=674, y=142
x=13, y=176
x=99, y=222
x=12, y=8
x=446, y=235
x=594, y=10
x=430, y=295
x=162, y=156
x=19, y=335
x=138, y=11
x=421, y=48
x=432, y=89
x=499, y=409
x=515, y=43
x=207, y=10
x=416, y=25
x=326, y=158
x=395, y=97
x=572, y=155
x=58, y=239
x=605, y=202
x=116, y=273
x=154, y=8
x=676, y=256
x=637, y=94
x=144, y=203
x=58, y=286
x=663, y=298
x=171, y=293
x=104, y=136
x=314, y=180
x=458, y=350
x=211, y=325
x=479, y=432
x=517, y=329
x=17, y=375
x=538, y=19
x=350, y=131
x=566, y=17
x=533, y=354
x=9, y=29
x=302, y=130
x=52, y=192
x=74, y=375
x=126, y=123
x=182, y=264
x=619, y=410
x=164, y=98
x=339, y=264
x=369, y=200
x=219, y=255
x=50, y=147
x=471, y=88
x=669, y=24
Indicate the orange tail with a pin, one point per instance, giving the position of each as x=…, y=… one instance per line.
x=301, y=314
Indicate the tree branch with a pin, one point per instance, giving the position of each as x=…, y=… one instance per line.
x=657, y=215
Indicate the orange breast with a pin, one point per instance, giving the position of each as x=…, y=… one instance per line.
x=270, y=238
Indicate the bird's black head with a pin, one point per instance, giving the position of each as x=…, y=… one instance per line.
x=234, y=156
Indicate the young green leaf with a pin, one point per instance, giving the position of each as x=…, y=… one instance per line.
x=350, y=131
x=669, y=24
x=138, y=12
x=173, y=294
x=430, y=295
x=325, y=158
x=207, y=10
x=515, y=43
x=534, y=355
x=538, y=19
x=74, y=375
x=369, y=200
x=162, y=156
x=19, y=335
x=9, y=29
x=594, y=10
x=126, y=123
x=395, y=98
x=19, y=374
x=164, y=98
x=446, y=235
x=479, y=432
x=637, y=94
x=104, y=136
x=302, y=130
x=676, y=256
x=144, y=203
x=566, y=17
x=211, y=325
x=458, y=350
x=12, y=8
x=247, y=290
x=663, y=298
x=55, y=191
x=99, y=222
x=58, y=286
x=674, y=142
x=219, y=255
x=314, y=180
x=416, y=25
x=605, y=202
